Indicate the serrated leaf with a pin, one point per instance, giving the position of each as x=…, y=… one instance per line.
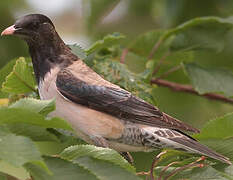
x=6, y=70
x=61, y=170
x=35, y=105
x=107, y=41
x=21, y=79
x=110, y=155
x=3, y=74
x=206, y=80
x=104, y=169
x=18, y=150
x=219, y=128
x=78, y=51
x=16, y=115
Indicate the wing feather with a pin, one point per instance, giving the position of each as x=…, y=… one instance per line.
x=115, y=101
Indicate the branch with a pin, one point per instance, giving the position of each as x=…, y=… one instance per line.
x=189, y=89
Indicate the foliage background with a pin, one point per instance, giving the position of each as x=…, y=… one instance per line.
x=84, y=22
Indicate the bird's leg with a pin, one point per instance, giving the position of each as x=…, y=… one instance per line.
x=127, y=157
x=99, y=141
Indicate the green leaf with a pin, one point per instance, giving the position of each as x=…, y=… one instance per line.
x=199, y=33
x=61, y=170
x=207, y=172
x=3, y=74
x=219, y=128
x=36, y=133
x=224, y=23
x=19, y=172
x=6, y=70
x=18, y=115
x=78, y=51
x=74, y=152
x=35, y=105
x=104, y=169
x=144, y=43
x=18, y=150
x=106, y=42
x=21, y=79
x=206, y=80
x=222, y=146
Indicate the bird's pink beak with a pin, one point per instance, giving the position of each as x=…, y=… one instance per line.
x=8, y=31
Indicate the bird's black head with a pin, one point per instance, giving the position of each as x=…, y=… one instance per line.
x=33, y=27
x=45, y=46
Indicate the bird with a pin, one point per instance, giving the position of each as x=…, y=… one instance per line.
x=101, y=113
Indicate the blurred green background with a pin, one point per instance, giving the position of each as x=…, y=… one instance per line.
x=85, y=21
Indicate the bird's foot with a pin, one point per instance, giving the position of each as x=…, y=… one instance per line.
x=127, y=157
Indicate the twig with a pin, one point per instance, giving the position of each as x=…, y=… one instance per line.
x=173, y=69
x=160, y=63
x=154, y=163
x=182, y=168
x=193, y=164
x=165, y=169
x=189, y=89
x=155, y=47
x=123, y=55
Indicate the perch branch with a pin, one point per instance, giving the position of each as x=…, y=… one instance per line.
x=189, y=89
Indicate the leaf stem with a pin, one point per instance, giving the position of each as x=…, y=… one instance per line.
x=155, y=47
x=160, y=63
x=173, y=69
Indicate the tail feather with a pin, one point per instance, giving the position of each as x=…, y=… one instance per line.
x=168, y=138
x=195, y=147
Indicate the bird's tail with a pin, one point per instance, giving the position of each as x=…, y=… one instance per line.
x=195, y=147
x=178, y=140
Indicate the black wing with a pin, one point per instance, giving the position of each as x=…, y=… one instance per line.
x=116, y=102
